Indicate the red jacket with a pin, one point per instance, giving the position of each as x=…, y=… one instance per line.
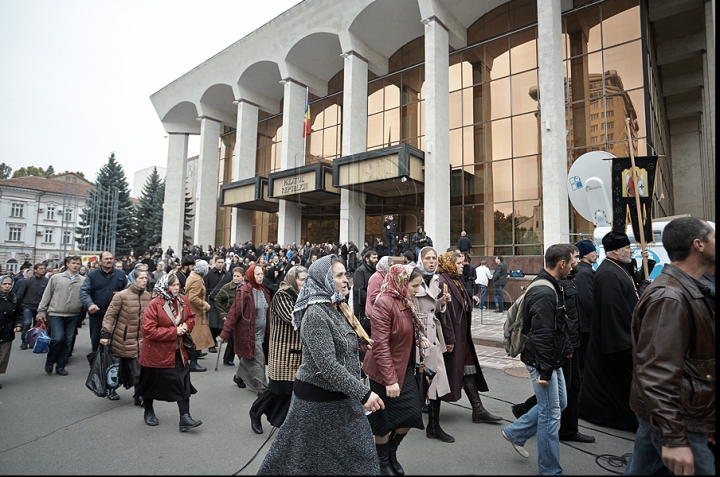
x=240, y=321
x=160, y=338
x=393, y=338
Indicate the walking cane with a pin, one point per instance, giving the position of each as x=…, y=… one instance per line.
x=218, y=353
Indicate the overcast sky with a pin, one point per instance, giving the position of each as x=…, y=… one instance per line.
x=76, y=76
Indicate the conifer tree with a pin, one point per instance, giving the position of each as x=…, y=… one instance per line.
x=97, y=227
x=187, y=217
x=149, y=213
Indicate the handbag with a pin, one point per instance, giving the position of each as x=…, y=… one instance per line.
x=188, y=343
x=423, y=378
x=516, y=273
x=104, y=373
x=38, y=338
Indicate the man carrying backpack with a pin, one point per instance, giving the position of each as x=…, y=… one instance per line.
x=544, y=354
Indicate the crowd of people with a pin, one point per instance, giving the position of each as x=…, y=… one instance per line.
x=605, y=345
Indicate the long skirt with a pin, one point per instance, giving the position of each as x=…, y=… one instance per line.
x=323, y=438
x=166, y=384
x=252, y=371
x=5, y=355
x=402, y=411
x=274, y=402
x=129, y=372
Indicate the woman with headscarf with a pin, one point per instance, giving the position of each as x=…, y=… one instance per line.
x=11, y=320
x=285, y=354
x=249, y=322
x=165, y=369
x=196, y=294
x=461, y=362
x=390, y=365
x=375, y=282
x=430, y=302
x=329, y=401
x=223, y=301
x=121, y=328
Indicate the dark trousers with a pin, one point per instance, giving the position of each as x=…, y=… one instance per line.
x=391, y=244
x=95, y=328
x=582, y=350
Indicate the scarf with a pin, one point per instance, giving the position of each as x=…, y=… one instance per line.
x=319, y=287
x=383, y=265
x=427, y=276
x=290, y=281
x=4, y=296
x=446, y=264
x=162, y=289
x=250, y=277
x=132, y=278
x=395, y=285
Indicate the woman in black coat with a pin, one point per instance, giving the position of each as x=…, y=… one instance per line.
x=10, y=320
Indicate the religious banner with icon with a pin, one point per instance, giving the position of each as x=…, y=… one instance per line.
x=623, y=194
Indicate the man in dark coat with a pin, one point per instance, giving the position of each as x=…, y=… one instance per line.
x=605, y=390
x=361, y=277
x=584, y=283
x=391, y=233
x=29, y=294
x=464, y=244
x=499, y=280
x=214, y=280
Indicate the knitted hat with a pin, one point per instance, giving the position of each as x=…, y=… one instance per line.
x=615, y=240
x=585, y=247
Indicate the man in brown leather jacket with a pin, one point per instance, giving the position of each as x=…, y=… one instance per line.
x=673, y=335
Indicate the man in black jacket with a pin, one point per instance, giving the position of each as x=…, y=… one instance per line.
x=464, y=244
x=29, y=294
x=361, y=277
x=214, y=281
x=584, y=282
x=544, y=354
x=499, y=279
x=391, y=233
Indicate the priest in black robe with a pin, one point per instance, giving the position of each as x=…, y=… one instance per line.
x=605, y=390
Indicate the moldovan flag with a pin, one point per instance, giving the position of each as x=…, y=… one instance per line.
x=306, y=121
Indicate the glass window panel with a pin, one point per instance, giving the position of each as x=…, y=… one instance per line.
x=481, y=104
x=526, y=137
x=564, y=42
x=455, y=109
x=637, y=99
x=500, y=98
x=421, y=119
x=411, y=120
x=411, y=86
x=315, y=146
x=392, y=92
x=501, y=189
x=476, y=31
x=528, y=218
x=585, y=76
x=375, y=97
x=523, y=52
x=330, y=142
x=317, y=116
x=497, y=58
x=331, y=113
x=414, y=51
x=456, y=220
x=455, y=72
x=527, y=180
x=496, y=21
x=467, y=74
x=391, y=129
x=456, y=187
x=621, y=26
x=467, y=106
x=476, y=59
x=477, y=184
x=627, y=61
x=456, y=147
x=502, y=227
x=476, y=227
x=522, y=84
x=577, y=24
x=480, y=141
x=468, y=145
x=375, y=130
x=522, y=12
x=501, y=141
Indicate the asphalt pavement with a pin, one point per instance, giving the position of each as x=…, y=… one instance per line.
x=51, y=424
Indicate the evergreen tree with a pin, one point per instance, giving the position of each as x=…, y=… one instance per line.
x=149, y=213
x=187, y=218
x=96, y=218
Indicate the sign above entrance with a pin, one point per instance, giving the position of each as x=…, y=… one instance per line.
x=249, y=194
x=389, y=172
x=311, y=184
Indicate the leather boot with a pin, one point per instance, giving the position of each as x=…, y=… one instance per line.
x=479, y=413
x=395, y=440
x=193, y=363
x=150, y=418
x=434, y=431
x=383, y=452
x=187, y=422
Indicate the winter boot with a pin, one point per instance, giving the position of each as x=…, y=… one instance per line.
x=479, y=413
x=395, y=440
x=383, y=451
x=187, y=422
x=434, y=431
x=193, y=363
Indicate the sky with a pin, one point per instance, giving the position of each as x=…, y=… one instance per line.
x=77, y=75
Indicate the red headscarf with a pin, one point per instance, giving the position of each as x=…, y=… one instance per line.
x=250, y=277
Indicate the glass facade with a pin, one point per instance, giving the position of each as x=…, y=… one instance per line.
x=223, y=222
x=325, y=140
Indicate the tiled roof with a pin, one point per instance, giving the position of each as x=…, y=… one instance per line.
x=50, y=185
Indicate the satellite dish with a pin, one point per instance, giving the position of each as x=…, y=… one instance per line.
x=589, y=187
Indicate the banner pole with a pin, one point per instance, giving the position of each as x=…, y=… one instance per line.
x=637, y=199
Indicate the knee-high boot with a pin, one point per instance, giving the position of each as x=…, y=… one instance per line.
x=479, y=413
x=194, y=366
x=395, y=440
x=383, y=451
x=434, y=431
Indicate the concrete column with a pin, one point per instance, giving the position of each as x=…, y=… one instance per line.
x=244, y=166
x=708, y=117
x=206, y=194
x=354, y=141
x=290, y=213
x=437, y=134
x=174, y=205
x=552, y=125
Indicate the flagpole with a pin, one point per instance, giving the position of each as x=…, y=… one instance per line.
x=641, y=229
x=307, y=106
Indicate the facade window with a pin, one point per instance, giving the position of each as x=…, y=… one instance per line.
x=593, y=128
x=325, y=141
x=594, y=117
x=68, y=215
x=50, y=212
x=17, y=209
x=594, y=105
x=593, y=140
x=610, y=137
x=48, y=235
x=269, y=144
x=609, y=101
x=12, y=265
x=609, y=114
x=14, y=234
x=67, y=237
x=610, y=125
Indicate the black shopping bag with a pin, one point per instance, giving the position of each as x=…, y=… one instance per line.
x=104, y=372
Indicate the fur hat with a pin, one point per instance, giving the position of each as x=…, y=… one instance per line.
x=615, y=240
x=585, y=247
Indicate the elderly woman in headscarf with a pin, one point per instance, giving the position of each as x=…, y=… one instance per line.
x=285, y=354
x=329, y=401
x=121, y=327
x=11, y=320
x=397, y=335
x=197, y=296
x=164, y=360
x=375, y=282
x=461, y=362
x=249, y=323
x=430, y=301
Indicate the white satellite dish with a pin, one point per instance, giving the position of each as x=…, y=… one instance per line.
x=589, y=187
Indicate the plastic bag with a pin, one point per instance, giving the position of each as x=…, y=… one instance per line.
x=38, y=338
x=104, y=372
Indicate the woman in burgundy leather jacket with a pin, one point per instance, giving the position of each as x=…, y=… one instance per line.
x=391, y=363
x=165, y=372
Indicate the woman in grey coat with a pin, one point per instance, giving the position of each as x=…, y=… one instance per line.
x=326, y=431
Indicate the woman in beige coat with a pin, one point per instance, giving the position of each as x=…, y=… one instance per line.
x=121, y=329
x=196, y=295
x=427, y=304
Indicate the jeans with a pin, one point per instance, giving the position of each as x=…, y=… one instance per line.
x=543, y=419
x=646, y=458
x=391, y=244
x=29, y=314
x=483, y=291
x=95, y=328
x=62, y=330
x=417, y=254
x=499, y=303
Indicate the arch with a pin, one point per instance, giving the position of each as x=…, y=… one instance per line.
x=218, y=97
x=260, y=84
x=386, y=25
x=318, y=53
x=181, y=118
